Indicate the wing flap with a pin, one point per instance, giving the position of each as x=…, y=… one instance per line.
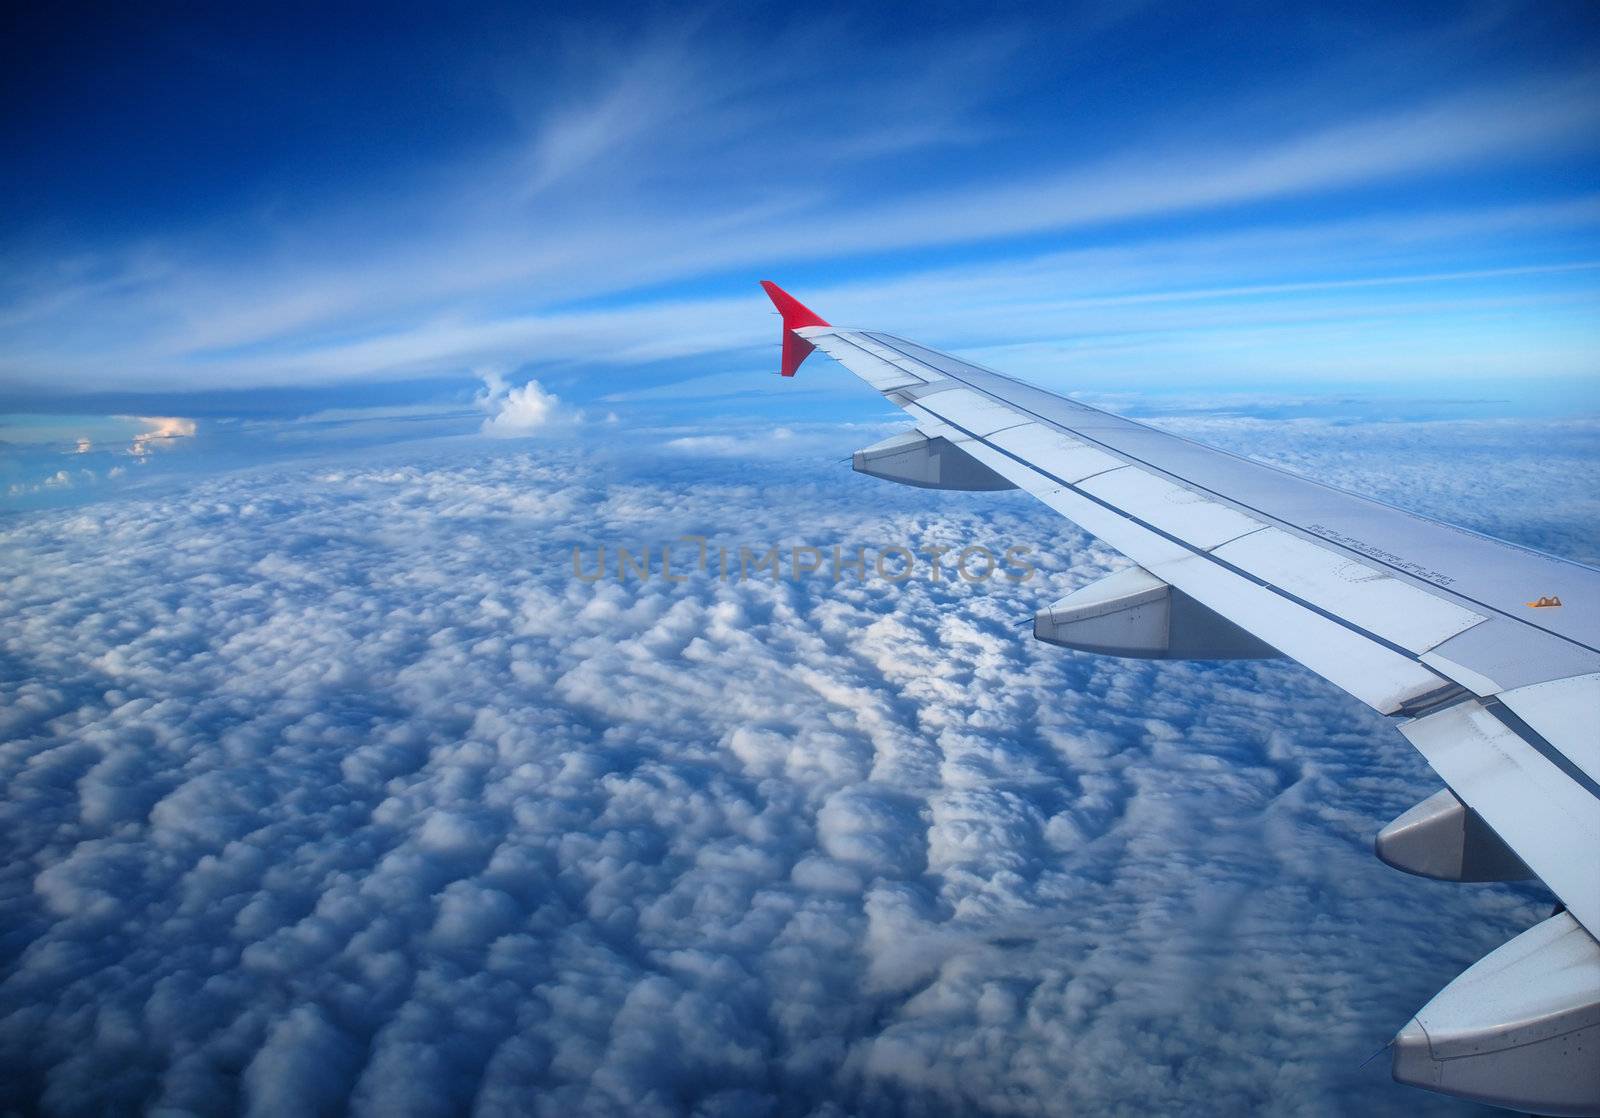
x=1373, y=673
x=1505, y=653
x=884, y=375
x=1064, y=457
x=1383, y=679
x=893, y=357
x=1173, y=509
x=1530, y=801
x=976, y=415
x=1378, y=603
x=1566, y=711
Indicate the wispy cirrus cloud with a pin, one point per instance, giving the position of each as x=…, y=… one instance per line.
x=672, y=160
x=1206, y=283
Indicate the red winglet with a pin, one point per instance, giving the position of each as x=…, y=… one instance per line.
x=795, y=314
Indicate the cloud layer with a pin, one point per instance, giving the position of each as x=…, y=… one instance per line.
x=331, y=787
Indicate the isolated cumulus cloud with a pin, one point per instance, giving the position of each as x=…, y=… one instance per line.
x=519, y=411
x=159, y=431
x=334, y=789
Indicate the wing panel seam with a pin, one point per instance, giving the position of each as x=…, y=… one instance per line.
x=1195, y=550
x=1537, y=741
x=1320, y=540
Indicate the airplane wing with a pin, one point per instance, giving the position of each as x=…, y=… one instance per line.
x=1485, y=655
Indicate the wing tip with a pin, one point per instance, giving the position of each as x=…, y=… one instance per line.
x=795, y=315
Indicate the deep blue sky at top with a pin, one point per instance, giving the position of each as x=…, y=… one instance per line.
x=239, y=197
x=148, y=120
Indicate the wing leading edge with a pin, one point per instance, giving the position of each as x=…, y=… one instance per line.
x=1448, y=632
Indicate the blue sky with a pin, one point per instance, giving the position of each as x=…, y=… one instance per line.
x=231, y=209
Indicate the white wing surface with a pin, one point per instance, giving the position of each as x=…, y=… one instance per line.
x=1486, y=655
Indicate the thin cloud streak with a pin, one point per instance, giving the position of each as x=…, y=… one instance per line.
x=1154, y=287
x=1179, y=179
x=171, y=316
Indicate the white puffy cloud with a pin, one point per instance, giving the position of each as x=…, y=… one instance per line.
x=332, y=788
x=518, y=411
x=159, y=431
